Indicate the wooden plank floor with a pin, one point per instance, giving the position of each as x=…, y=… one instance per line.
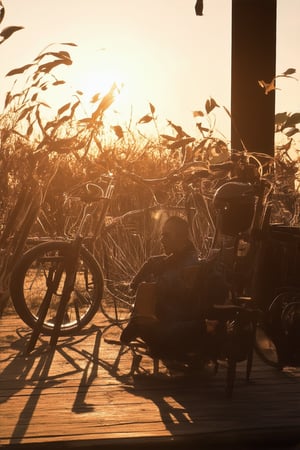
x=82, y=396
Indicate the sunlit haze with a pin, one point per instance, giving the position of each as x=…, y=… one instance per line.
x=158, y=52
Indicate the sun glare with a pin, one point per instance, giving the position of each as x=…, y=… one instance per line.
x=95, y=76
x=92, y=75
x=98, y=82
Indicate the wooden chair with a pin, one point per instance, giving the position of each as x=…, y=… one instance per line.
x=229, y=338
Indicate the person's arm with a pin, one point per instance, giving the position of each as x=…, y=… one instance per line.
x=148, y=270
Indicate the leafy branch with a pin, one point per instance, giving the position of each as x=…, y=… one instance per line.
x=7, y=31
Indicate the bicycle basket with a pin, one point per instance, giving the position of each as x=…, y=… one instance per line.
x=235, y=203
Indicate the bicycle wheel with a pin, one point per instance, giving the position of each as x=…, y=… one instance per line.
x=273, y=341
x=265, y=347
x=126, y=245
x=201, y=224
x=40, y=276
x=283, y=325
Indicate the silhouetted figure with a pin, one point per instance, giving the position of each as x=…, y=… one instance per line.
x=173, y=293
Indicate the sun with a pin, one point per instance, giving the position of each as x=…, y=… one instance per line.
x=98, y=82
x=94, y=74
x=95, y=71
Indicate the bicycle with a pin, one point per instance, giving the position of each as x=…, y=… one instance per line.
x=133, y=233
x=255, y=275
x=279, y=332
x=57, y=286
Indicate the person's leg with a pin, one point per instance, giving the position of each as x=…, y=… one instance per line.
x=145, y=300
x=178, y=339
x=143, y=315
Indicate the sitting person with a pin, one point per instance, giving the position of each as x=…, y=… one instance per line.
x=176, y=290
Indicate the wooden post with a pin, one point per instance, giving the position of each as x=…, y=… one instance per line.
x=253, y=59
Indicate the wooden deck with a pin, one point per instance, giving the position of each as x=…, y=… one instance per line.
x=81, y=396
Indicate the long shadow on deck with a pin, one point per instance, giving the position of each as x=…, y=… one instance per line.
x=194, y=408
x=39, y=362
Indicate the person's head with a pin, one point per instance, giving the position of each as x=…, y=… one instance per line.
x=175, y=235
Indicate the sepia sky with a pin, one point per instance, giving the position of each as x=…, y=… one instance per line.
x=159, y=51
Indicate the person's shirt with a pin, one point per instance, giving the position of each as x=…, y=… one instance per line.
x=171, y=279
x=186, y=286
x=164, y=268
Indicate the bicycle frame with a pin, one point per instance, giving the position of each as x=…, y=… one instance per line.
x=96, y=223
x=70, y=266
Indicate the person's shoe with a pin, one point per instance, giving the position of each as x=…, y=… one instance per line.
x=129, y=334
x=138, y=326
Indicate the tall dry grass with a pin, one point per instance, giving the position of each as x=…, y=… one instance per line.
x=47, y=150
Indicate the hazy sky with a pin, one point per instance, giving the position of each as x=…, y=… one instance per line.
x=160, y=50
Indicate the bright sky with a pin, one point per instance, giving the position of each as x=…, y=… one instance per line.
x=160, y=50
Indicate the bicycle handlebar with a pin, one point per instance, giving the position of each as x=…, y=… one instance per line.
x=188, y=173
x=173, y=175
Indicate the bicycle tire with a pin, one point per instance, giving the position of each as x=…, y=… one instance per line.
x=126, y=245
x=201, y=225
x=265, y=348
x=32, y=278
x=279, y=319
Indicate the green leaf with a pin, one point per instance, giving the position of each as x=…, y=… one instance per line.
x=59, y=55
x=34, y=97
x=118, y=131
x=8, y=99
x=145, y=119
x=44, y=104
x=47, y=67
x=29, y=130
x=152, y=108
x=50, y=124
x=69, y=43
x=198, y=114
x=280, y=118
x=18, y=70
x=58, y=82
x=289, y=71
x=95, y=98
x=105, y=103
x=291, y=131
x=181, y=143
x=74, y=106
x=210, y=104
x=64, y=108
x=201, y=128
x=25, y=112
x=168, y=138
x=180, y=132
x=2, y=12
x=85, y=120
x=8, y=31
x=292, y=120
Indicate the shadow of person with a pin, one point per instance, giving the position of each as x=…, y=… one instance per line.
x=195, y=406
x=181, y=399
